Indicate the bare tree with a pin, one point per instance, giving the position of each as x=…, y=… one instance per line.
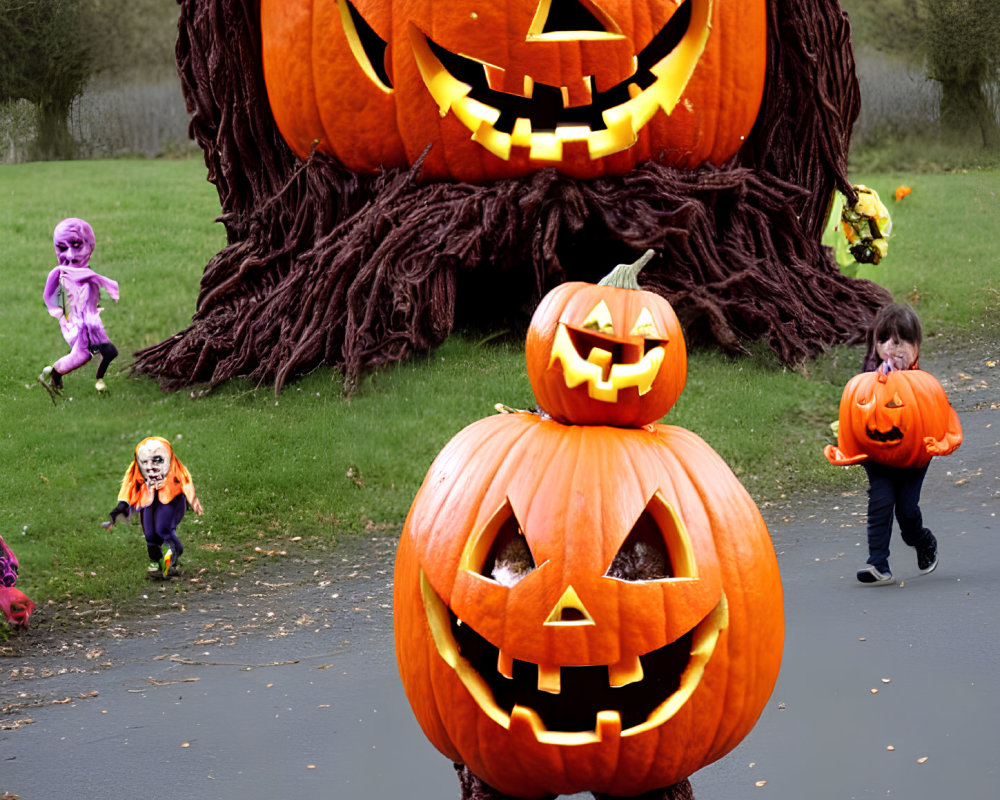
x=955, y=42
x=46, y=58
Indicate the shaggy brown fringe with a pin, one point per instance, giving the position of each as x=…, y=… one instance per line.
x=327, y=266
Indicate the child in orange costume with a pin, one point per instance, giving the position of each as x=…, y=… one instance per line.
x=894, y=491
x=159, y=486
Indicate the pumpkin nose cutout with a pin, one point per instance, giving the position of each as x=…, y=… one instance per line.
x=570, y=610
x=571, y=20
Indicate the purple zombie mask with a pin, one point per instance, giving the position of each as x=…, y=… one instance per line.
x=73, y=240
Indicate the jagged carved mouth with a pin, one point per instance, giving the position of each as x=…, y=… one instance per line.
x=606, y=365
x=542, y=119
x=892, y=436
x=584, y=707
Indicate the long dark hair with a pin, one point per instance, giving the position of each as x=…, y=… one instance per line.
x=894, y=321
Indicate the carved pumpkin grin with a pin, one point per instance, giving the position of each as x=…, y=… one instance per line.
x=892, y=436
x=498, y=90
x=606, y=364
x=572, y=705
x=542, y=119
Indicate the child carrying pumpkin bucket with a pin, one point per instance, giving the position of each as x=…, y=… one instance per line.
x=894, y=418
x=157, y=485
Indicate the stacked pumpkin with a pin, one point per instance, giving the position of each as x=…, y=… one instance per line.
x=586, y=600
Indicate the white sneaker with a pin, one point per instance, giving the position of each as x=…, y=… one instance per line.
x=873, y=575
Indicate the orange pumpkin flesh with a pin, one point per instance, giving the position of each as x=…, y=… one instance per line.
x=504, y=88
x=571, y=675
x=887, y=418
x=605, y=355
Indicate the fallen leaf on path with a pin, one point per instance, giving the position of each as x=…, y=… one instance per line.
x=171, y=683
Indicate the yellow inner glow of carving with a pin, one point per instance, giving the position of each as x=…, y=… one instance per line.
x=623, y=121
x=570, y=601
x=599, y=319
x=676, y=536
x=591, y=371
x=354, y=41
x=705, y=637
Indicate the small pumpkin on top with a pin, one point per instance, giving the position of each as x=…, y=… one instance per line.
x=606, y=354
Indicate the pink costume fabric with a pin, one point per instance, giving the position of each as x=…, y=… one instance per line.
x=15, y=606
x=8, y=565
x=72, y=293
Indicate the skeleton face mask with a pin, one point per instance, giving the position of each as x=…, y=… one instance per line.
x=153, y=457
x=73, y=240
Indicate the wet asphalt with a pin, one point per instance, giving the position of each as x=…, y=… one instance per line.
x=884, y=691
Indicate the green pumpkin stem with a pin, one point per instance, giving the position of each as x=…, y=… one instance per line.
x=626, y=276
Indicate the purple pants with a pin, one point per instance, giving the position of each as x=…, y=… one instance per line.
x=159, y=524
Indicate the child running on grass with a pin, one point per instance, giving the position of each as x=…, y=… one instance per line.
x=159, y=486
x=72, y=292
x=894, y=341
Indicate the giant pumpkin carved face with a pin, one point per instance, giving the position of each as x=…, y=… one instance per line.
x=605, y=355
x=502, y=88
x=584, y=607
x=888, y=417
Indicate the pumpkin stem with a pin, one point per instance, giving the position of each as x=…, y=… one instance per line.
x=626, y=276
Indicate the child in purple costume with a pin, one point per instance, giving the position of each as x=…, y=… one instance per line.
x=71, y=295
x=8, y=565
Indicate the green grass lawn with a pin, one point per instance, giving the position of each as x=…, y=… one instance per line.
x=296, y=473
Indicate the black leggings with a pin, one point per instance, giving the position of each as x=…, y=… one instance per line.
x=108, y=354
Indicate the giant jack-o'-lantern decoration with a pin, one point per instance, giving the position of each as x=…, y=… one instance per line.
x=901, y=419
x=585, y=607
x=607, y=353
x=581, y=129
x=503, y=88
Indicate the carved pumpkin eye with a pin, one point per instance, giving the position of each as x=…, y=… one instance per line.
x=571, y=20
x=646, y=328
x=657, y=547
x=599, y=319
x=896, y=402
x=509, y=559
x=368, y=47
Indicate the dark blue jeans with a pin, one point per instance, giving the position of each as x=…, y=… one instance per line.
x=159, y=524
x=892, y=490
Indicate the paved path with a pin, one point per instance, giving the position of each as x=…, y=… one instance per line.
x=292, y=692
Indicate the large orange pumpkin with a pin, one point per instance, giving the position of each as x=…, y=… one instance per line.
x=585, y=607
x=901, y=419
x=606, y=354
x=502, y=88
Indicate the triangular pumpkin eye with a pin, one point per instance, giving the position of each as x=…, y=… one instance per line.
x=508, y=559
x=599, y=319
x=571, y=20
x=645, y=327
x=656, y=548
x=896, y=402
